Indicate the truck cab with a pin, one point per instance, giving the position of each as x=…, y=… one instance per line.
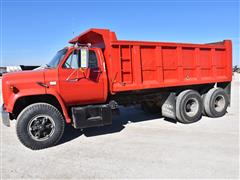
x=76, y=76
x=81, y=75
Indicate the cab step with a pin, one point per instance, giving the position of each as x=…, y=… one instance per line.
x=91, y=116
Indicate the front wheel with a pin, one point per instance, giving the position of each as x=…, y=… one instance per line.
x=40, y=126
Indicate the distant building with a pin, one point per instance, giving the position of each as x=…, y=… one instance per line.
x=13, y=68
x=3, y=70
x=8, y=69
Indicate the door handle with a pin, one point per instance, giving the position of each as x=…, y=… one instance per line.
x=97, y=71
x=72, y=80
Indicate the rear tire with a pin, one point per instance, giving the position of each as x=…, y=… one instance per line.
x=216, y=102
x=204, y=112
x=40, y=126
x=189, y=107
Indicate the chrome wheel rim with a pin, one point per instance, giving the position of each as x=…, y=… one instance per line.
x=41, y=127
x=219, y=103
x=191, y=107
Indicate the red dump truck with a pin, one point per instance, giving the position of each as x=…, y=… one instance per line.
x=85, y=83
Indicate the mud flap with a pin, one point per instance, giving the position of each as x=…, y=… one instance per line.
x=5, y=117
x=169, y=106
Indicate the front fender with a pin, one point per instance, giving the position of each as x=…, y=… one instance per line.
x=25, y=92
x=33, y=92
x=63, y=106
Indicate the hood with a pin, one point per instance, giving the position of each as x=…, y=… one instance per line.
x=23, y=77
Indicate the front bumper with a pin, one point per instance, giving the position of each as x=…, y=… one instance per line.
x=5, y=117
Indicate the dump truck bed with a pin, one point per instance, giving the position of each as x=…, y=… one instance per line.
x=138, y=65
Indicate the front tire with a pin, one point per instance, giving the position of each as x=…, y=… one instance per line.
x=40, y=126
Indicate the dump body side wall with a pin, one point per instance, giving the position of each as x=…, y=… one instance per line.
x=140, y=65
x=143, y=65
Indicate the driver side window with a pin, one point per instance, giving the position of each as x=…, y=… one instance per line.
x=73, y=61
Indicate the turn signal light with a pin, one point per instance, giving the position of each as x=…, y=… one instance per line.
x=14, y=89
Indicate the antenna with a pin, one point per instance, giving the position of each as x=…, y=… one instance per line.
x=74, y=45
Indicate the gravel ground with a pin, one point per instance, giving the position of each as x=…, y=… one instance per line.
x=137, y=145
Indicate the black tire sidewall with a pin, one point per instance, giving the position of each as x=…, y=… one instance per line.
x=182, y=116
x=29, y=113
x=213, y=96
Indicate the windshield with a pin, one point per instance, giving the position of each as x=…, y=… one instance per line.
x=57, y=58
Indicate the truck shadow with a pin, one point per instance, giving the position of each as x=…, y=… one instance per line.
x=127, y=115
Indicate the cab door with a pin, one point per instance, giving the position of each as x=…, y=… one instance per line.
x=78, y=85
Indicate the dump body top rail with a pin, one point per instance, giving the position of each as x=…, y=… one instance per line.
x=136, y=65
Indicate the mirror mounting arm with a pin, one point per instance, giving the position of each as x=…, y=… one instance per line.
x=83, y=72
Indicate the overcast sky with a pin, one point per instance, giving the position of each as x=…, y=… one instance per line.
x=32, y=31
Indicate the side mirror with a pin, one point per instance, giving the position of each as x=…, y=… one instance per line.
x=84, y=57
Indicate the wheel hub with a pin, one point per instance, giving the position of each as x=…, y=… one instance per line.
x=219, y=103
x=191, y=107
x=41, y=127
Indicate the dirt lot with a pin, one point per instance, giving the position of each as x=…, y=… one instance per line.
x=135, y=146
